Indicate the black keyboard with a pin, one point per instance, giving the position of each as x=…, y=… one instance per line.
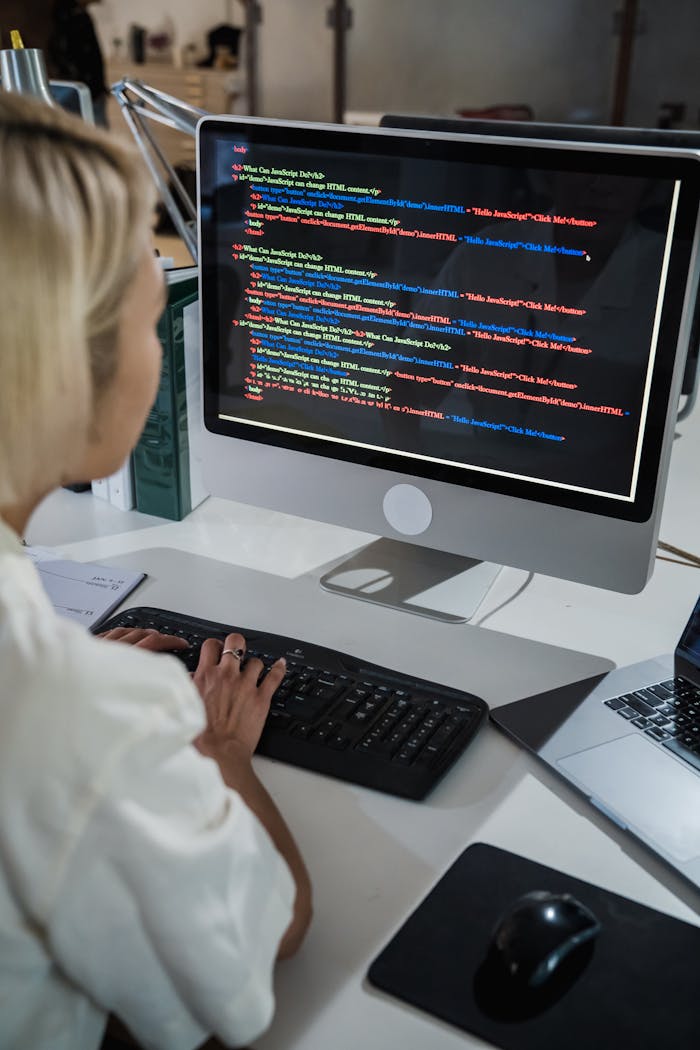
x=668, y=712
x=338, y=715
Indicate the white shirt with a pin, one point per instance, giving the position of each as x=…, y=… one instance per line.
x=132, y=879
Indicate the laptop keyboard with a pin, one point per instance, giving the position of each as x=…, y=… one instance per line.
x=668, y=712
x=338, y=715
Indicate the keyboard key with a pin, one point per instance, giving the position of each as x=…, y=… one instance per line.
x=691, y=757
x=661, y=691
x=615, y=704
x=278, y=718
x=639, y=705
x=648, y=697
x=444, y=734
x=337, y=742
x=190, y=658
x=374, y=745
x=324, y=730
x=430, y=755
x=306, y=708
x=303, y=730
x=359, y=694
x=658, y=734
x=326, y=692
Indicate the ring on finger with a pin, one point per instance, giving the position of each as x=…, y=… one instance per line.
x=238, y=653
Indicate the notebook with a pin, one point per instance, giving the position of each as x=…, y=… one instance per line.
x=82, y=591
x=629, y=741
x=636, y=988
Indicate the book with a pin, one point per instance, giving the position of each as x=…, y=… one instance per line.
x=86, y=592
x=118, y=489
x=167, y=477
x=121, y=486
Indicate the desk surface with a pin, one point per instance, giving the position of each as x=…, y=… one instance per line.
x=373, y=857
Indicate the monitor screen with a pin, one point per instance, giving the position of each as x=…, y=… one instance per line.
x=655, y=138
x=494, y=325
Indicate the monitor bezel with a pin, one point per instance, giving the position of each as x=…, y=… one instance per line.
x=515, y=152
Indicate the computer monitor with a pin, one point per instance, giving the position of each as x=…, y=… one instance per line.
x=655, y=138
x=74, y=97
x=464, y=345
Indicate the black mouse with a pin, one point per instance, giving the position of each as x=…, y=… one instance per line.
x=539, y=931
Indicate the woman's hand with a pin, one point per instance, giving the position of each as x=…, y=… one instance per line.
x=236, y=699
x=145, y=638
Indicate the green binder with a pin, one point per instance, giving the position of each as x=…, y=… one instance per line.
x=163, y=481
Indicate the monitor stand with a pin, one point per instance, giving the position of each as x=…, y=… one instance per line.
x=442, y=586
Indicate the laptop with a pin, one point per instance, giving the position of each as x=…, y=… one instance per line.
x=629, y=740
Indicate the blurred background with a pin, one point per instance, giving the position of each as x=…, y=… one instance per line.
x=560, y=58
x=610, y=62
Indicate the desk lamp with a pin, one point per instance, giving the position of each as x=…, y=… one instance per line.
x=140, y=103
x=22, y=70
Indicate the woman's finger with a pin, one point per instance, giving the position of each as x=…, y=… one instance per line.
x=130, y=635
x=162, y=643
x=273, y=679
x=233, y=651
x=116, y=633
x=209, y=653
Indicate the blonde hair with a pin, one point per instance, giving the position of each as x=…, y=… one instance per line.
x=75, y=209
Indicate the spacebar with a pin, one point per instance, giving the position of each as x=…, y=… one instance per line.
x=691, y=757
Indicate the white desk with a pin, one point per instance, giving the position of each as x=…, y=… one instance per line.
x=373, y=857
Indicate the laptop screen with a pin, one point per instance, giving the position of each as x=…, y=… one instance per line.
x=689, y=645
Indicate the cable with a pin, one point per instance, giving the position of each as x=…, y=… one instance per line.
x=677, y=561
x=690, y=561
x=528, y=580
x=686, y=557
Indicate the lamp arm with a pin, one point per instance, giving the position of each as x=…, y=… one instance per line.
x=174, y=113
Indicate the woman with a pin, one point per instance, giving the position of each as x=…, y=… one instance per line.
x=139, y=875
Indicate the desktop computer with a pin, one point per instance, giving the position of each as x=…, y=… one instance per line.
x=467, y=345
x=472, y=348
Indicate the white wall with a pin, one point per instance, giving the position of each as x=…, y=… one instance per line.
x=296, y=60
x=436, y=56
x=442, y=56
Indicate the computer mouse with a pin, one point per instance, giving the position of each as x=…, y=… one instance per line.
x=539, y=931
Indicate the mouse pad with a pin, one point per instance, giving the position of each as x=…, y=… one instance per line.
x=635, y=985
